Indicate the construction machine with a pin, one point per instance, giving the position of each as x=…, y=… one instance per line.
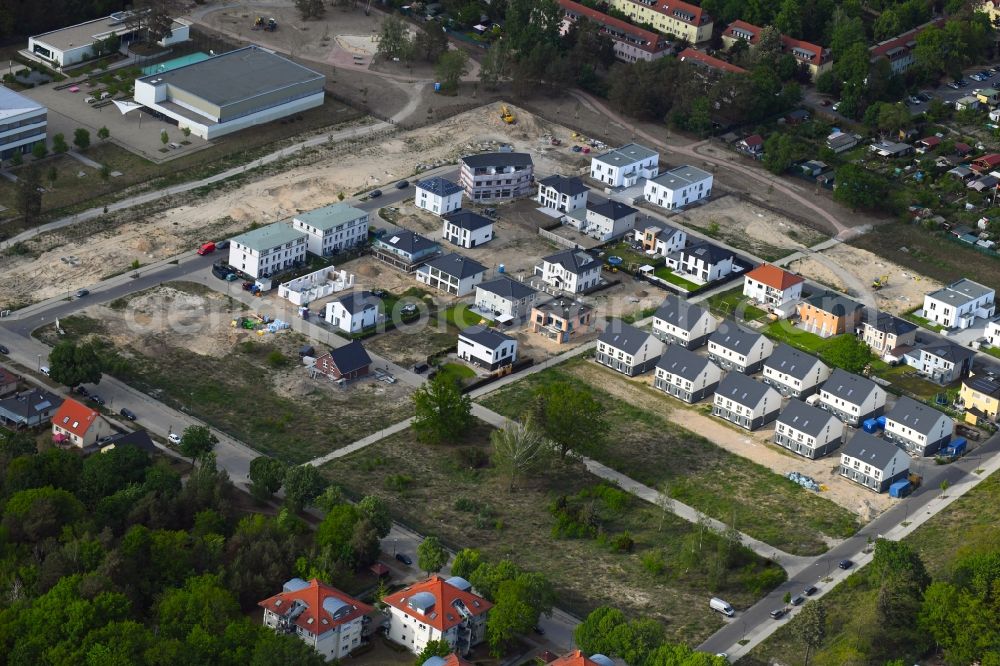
x=506, y=115
x=878, y=283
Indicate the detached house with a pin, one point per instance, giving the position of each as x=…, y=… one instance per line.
x=507, y=299
x=438, y=195
x=560, y=320
x=772, y=287
x=467, y=229
x=333, y=228
x=627, y=349
x=354, y=312
x=829, y=314
x=574, y=271
x=344, y=363
x=873, y=462
x=623, y=167
x=685, y=375
x=887, y=333
x=678, y=322
x=29, y=409
x=958, y=304
x=851, y=398
x=452, y=274
x=920, y=429
x=404, y=250
x=745, y=401
x=703, y=262
x=752, y=145
x=735, y=348
x=942, y=362
x=794, y=373
x=329, y=621
x=678, y=187
x=659, y=238
x=437, y=609
x=486, y=347
x=79, y=425
x=980, y=395
x=603, y=219
x=497, y=176
x=807, y=430
x=562, y=193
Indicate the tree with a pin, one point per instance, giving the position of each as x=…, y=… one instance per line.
x=272, y=648
x=859, y=188
x=431, y=555
x=442, y=413
x=496, y=65
x=72, y=364
x=38, y=151
x=393, y=38
x=788, y=20
x=266, y=476
x=466, y=561
x=849, y=353
x=59, y=145
x=520, y=449
x=197, y=441
x=510, y=616
x=451, y=67
x=810, y=627
x=164, y=137
x=203, y=602
x=81, y=138
x=103, y=134
x=52, y=175
x=376, y=511
x=303, y=484
x=436, y=648
x=430, y=42
x=310, y=9
x=29, y=196
x=571, y=417
x=365, y=544
x=781, y=151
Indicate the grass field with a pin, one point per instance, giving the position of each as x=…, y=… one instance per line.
x=452, y=492
x=783, y=331
x=731, y=303
x=655, y=451
x=665, y=273
x=912, y=316
x=970, y=525
x=457, y=372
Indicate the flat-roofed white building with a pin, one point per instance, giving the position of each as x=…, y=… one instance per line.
x=23, y=122
x=623, y=167
x=267, y=250
x=332, y=228
x=679, y=187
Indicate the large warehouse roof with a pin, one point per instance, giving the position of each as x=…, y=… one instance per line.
x=239, y=75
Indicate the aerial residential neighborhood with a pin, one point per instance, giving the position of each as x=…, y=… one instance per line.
x=597, y=333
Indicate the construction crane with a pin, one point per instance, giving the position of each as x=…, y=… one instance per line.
x=878, y=283
x=507, y=116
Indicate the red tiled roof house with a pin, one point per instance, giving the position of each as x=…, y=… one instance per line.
x=771, y=286
x=437, y=609
x=77, y=424
x=817, y=58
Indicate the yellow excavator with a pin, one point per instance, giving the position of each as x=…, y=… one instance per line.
x=878, y=283
x=507, y=116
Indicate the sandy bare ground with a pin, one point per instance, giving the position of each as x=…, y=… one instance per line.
x=851, y=270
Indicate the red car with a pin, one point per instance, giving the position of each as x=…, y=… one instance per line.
x=207, y=248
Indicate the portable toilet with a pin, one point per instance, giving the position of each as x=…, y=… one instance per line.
x=501, y=268
x=900, y=489
x=881, y=421
x=870, y=425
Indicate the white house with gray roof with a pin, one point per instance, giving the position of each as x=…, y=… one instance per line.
x=623, y=167
x=794, y=373
x=851, y=398
x=452, y=273
x=467, y=229
x=735, y=348
x=627, y=349
x=574, y=271
x=404, y=250
x=333, y=228
x=505, y=298
x=920, y=429
x=702, y=262
x=943, y=361
x=678, y=187
x=808, y=431
x=679, y=322
x=486, y=347
x=745, y=401
x=562, y=193
x=685, y=375
x=265, y=251
x=658, y=238
x=602, y=219
x=873, y=462
x=958, y=304
x=354, y=312
x=438, y=195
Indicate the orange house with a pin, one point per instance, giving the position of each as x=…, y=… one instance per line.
x=829, y=314
x=560, y=320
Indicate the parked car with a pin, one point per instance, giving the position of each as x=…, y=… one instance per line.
x=954, y=85
x=977, y=77
x=811, y=590
x=174, y=438
x=44, y=370
x=375, y=194
x=798, y=600
x=402, y=185
x=420, y=368
x=80, y=293
x=913, y=99
x=127, y=413
x=404, y=558
x=206, y=248
x=845, y=564
x=777, y=613
x=96, y=399
x=82, y=390
x=222, y=245
x=4, y=350
x=835, y=107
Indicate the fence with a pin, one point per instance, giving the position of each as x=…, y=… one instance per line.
x=557, y=239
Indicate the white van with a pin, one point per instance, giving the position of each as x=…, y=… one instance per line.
x=721, y=606
x=90, y=99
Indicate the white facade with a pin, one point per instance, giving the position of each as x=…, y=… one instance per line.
x=336, y=643
x=992, y=333
x=575, y=278
x=490, y=356
x=340, y=317
x=305, y=289
x=919, y=441
x=770, y=294
x=623, y=167
x=699, y=329
x=438, y=198
x=551, y=197
x=514, y=305
x=603, y=220
x=803, y=384
x=662, y=239
x=806, y=443
x=851, y=408
x=463, y=237
x=749, y=413
x=332, y=228
x=630, y=362
x=70, y=46
x=22, y=123
x=760, y=350
x=704, y=263
x=709, y=376
x=958, y=304
x=267, y=250
x=452, y=274
x=678, y=187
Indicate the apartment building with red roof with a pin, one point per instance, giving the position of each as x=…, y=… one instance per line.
x=669, y=17
x=817, y=58
x=437, y=609
x=577, y=658
x=899, y=50
x=631, y=43
x=326, y=619
x=701, y=59
x=771, y=286
x=75, y=423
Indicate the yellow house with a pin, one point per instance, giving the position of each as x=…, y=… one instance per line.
x=988, y=96
x=981, y=397
x=670, y=17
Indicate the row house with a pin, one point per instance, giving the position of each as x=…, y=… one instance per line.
x=873, y=462
x=794, y=373
x=623, y=167
x=333, y=228
x=816, y=58
x=745, y=401
x=630, y=42
x=828, y=314
x=851, y=398
x=268, y=250
x=735, y=348
x=686, y=375
x=918, y=428
x=678, y=322
x=678, y=187
x=703, y=60
x=808, y=431
x=627, y=349
x=899, y=50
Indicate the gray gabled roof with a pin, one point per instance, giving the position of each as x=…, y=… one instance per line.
x=350, y=357
x=708, y=252
x=407, y=241
x=457, y=266
x=683, y=362
x=466, y=219
x=484, y=160
x=886, y=323
x=805, y=418
x=678, y=312
x=328, y=217
x=915, y=415
x=870, y=449
x=731, y=336
x=613, y=210
x=570, y=186
x=625, y=337
x=627, y=154
x=574, y=261
x=29, y=403
x=504, y=287
x=741, y=389
x=791, y=361
x=359, y=301
x=853, y=389
x=949, y=351
x=439, y=186
x=484, y=335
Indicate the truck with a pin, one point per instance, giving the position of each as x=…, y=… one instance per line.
x=721, y=606
x=954, y=449
x=206, y=248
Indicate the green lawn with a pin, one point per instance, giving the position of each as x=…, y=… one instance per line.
x=992, y=351
x=461, y=316
x=783, y=331
x=457, y=372
x=665, y=273
x=654, y=450
x=632, y=258
x=454, y=493
x=920, y=321
x=730, y=303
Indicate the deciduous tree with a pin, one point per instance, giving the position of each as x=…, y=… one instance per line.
x=810, y=627
x=303, y=484
x=197, y=441
x=519, y=450
x=393, y=39
x=571, y=417
x=376, y=511
x=431, y=555
x=451, y=67
x=81, y=138
x=29, y=196
x=430, y=42
x=435, y=648
x=310, y=9
x=266, y=476
x=72, y=363
x=442, y=413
